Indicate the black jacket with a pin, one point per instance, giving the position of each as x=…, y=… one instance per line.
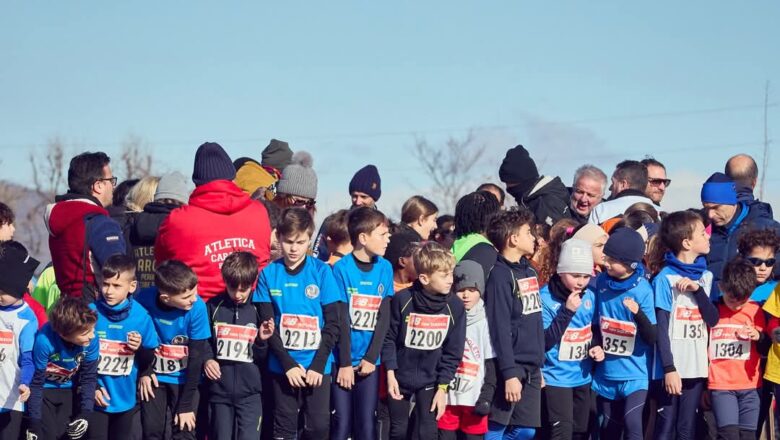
x=140, y=231
x=239, y=379
x=518, y=339
x=416, y=368
x=548, y=200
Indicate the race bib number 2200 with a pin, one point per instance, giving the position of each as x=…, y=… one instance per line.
x=426, y=332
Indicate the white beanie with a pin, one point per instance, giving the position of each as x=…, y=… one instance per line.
x=576, y=257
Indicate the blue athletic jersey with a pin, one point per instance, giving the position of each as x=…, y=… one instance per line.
x=120, y=382
x=611, y=313
x=363, y=312
x=61, y=360
x=175, y=329
x=18, y=325
x=300, y=297
x=762, y=292
x=571, y=367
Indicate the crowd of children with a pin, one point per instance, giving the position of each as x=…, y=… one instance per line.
x=488, y=324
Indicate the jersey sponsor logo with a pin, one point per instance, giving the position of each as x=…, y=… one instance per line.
x=312, y=291
x=275, y=292
x=366, y=283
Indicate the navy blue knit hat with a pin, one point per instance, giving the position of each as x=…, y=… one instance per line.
x=626, y=246
x=719, y=189
x=212, y=163
x=367, y=180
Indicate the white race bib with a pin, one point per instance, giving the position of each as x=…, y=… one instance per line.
x=58, y=374
x=116, y=358
x=465, y=377
x=426, y=332
x=726, y=343
x=170, y=358
x=364, y=311
x=575, y=344
x=528, y=289
x=688, y=323
x=6, y=344
x=300, y=332
x=619, y=336
x=234, y=342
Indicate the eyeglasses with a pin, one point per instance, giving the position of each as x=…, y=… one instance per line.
x=113, y=180
x=658, y=182
x=758, y=261
x=302, y=203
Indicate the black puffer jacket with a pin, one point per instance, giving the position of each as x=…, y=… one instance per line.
x=140, y=230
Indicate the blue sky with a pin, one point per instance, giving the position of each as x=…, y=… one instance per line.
x=355, y=82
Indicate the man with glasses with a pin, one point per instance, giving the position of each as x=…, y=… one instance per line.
x=82, y=235
x=730, y=218
x=657, y=182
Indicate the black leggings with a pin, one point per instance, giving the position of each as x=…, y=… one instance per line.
x=122, y=425
x=623, y=416
x=566, y=412
x=426, y=427
x=312, y=403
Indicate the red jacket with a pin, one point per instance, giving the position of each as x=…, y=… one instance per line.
x=219, y=220
x=37, y=309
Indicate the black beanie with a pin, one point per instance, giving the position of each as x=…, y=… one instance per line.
x=367, y=180
x=16, y=268
x=626, y=246
x=518, y=168
x=212, y=163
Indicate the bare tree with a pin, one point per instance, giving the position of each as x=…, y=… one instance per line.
x=450, y=166
x=135, y=157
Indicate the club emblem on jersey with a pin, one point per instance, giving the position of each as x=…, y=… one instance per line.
x=380, y=289
x=588, y=304
x=312, y=291
x=80, y=357
x=180, y=340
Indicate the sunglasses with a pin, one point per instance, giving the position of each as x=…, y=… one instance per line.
x=302, y=203
x=758, y=261
x=658, y=182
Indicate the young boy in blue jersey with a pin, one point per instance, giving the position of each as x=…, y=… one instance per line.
x=366, y=281
x=236, y=349
x=684, y=312
x=472, y=389
x=626, y=333
x=300, y=294
x=65, y=346
x=17, y=336
x=514, y=312
x=568, y=309
x=424, y=344
x=182, y=324
x=127, y=343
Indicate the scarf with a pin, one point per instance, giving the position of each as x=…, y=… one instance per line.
x=476, y=314
x=428, y=303
x=693, y=271
x=558, y=289
x=620, y=286
x=115, y=313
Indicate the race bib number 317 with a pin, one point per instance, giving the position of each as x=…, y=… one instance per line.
x=426, y=332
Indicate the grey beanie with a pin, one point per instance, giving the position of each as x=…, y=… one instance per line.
x=299, y=178
x=467, y=274
x=173, y=186
x=576, y=257
x=277, y=154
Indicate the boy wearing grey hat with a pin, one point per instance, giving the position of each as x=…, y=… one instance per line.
x=470, y=393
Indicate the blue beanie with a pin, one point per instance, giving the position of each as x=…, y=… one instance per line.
x=719, y=189
x=367, y=180
x=626, y=246
x=212, y=163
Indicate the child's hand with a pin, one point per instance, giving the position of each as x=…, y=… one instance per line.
x=596, y=353
x=212, y=370
x=631, y=305
x=392, y=386
x=513, y=390
x=573, y=301
x=24, y=393
x=439, y=403
x=296, y=376
x=687, y=285
x=749, y=332
x=365, y=368
x=313, y=378
x=101, y=397
x=134, y=341
x=146, y=386
x=185, y=421
x=673, y=383
x=266, y=330
x=346, y=377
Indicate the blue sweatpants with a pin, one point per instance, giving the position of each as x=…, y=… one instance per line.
x=623, y=416
x=736, y=408
x=677, y=413
x=354, y=411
